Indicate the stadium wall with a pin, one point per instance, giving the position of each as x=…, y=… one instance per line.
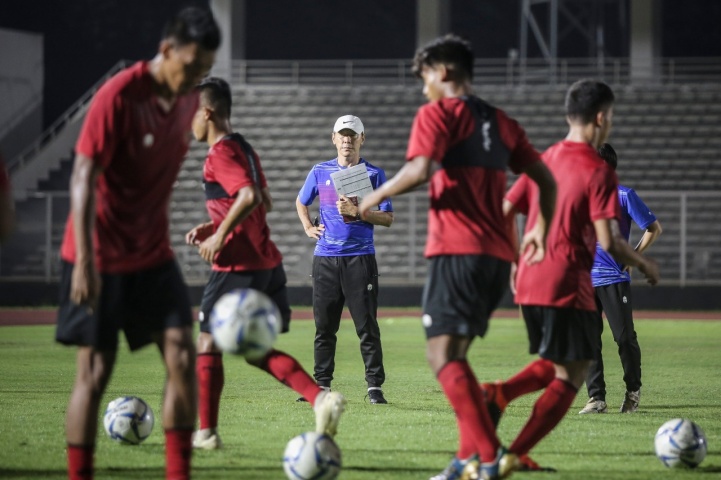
x=26, y=294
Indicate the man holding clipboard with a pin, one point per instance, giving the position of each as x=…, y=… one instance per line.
x=344, y=264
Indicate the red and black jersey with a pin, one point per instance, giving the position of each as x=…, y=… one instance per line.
x=474, y=143
x=140, y=147
x=587, y=191
x=232, y=164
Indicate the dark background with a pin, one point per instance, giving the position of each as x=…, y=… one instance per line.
x=85, y=38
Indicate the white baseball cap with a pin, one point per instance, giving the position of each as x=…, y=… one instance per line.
x=348, y=121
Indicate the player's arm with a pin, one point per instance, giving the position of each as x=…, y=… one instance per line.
x=652, y=232
x=414, y=173
x=534, y=241
x=247, y=200
x=267, y=199
x=313, y=231
x=376, y=217
x=609, y=237
x=509, y=213
x=85, y=283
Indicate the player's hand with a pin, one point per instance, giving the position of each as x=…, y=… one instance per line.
x=210, y=247
x=346, y=207
x=533, y=246
x=628, y=268
x=649, y=268
x=198, y=234
x=369, y=201
x=315, y=232
x=512, y=280
x=85, y=284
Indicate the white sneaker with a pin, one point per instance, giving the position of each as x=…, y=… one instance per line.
x=329, y=406
x=207, y=439
x=594, y=406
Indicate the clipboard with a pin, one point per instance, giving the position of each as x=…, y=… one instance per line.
x=353, y=183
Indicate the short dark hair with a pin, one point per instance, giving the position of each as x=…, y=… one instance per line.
x=216, y=93
x=449, y=50
x=608, y=154
x=193, y=25
x=586, y=98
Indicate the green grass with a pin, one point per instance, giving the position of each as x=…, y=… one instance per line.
x=411, y=438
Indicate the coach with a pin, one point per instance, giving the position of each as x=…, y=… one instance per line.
x=344, y=264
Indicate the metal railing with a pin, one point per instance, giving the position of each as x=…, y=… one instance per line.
x=688, y=251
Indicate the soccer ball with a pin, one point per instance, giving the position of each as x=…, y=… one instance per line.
x=680, y=443
x=245, y=322
x=128, y=420
x=311, y=455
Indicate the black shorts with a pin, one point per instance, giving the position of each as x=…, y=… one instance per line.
x=142, y=304
x=271, y=282
x=562, y=334
x=461, y=292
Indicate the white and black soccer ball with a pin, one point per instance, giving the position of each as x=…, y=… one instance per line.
x=245, y=322
x=680, y=443
x=313, y=456
x=128, y=420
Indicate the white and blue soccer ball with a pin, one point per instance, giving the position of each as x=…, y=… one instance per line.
x=128, y=420
x=312, y=456
x=680, y=443
x=245, y=322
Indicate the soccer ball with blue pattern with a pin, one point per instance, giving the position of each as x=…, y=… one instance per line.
x=680, y=443
x=128, y=420
x=312, y=456
x=245, y=322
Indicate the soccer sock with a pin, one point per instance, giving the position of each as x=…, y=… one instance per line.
x=80, y=462
x=288, y=371
x=178, y=451
x=476, y=430
x=534, y=377
x=548, y=411
x=211, y=377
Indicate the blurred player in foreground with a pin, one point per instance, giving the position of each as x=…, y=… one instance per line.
x=7, y=207
x=118, y=270
x=612, y=283
x=470, y=144
x=237, y=243
x=556, y=294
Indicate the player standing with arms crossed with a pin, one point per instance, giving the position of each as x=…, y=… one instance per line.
x=612, y=283
x=469, y=243
x=118, y=270
x=556, y=294
x=237, y=243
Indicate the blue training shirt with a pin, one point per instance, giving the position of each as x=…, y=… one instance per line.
x=340, y=239
x=606, y=270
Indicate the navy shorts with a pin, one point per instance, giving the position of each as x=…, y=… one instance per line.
x=461, y=292
x=143, y=304
x=562, y=334
x=272, y=282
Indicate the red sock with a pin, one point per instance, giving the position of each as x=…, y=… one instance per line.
x=178, y=451
x=288, y=371
x=534, y=377
x=80, y=462
x=211, y=377
x=548, y=411
x=465, y=396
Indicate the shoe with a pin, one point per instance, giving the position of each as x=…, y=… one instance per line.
x=502, y=467
x=329, y=406
x=526, y=464
x=630, y=401
x=459, y=469
x=495, y=401
x=303, y=399
x=594, y=406
x=375, y=396
x=207, y=439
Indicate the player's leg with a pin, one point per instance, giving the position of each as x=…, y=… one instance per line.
x=359, y=281
x=620, y=318
x=328, y=303
x=595, y=381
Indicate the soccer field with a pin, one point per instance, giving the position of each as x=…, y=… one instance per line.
x=411, y=438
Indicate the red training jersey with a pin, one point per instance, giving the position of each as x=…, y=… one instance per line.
x=587, y=191
x=232, y=164
x=474, y=143
x=140, y=147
